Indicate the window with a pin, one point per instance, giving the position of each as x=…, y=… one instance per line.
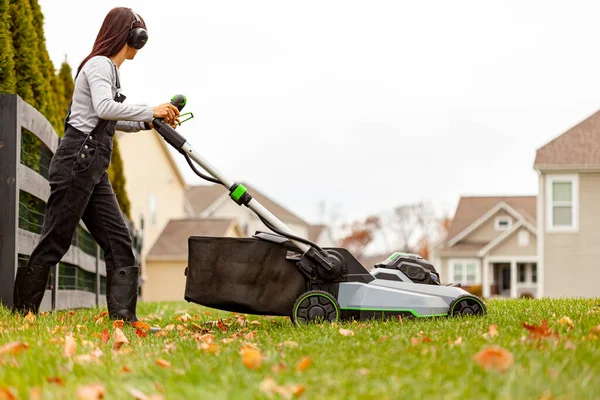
x=153, y=209
x=523, y=238
x=534, y=273
x=465, y=271
x=562, y=192
x=503, y=223
x=522, y=273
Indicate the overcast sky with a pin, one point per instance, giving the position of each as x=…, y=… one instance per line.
x=361, y=104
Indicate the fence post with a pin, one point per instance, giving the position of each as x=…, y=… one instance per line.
x=10, y=146
x=97, y=275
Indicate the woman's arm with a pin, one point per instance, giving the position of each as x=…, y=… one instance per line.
x=132, y=126
x=99, y=72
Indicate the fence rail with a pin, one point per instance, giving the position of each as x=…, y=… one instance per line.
x=27, y=144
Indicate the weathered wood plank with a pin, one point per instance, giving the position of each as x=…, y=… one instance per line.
x=32, y=182
x=34, y=121
x=10, y=148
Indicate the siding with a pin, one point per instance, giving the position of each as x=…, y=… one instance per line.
x=510, y=246
x=487, y=231
x=572, y=260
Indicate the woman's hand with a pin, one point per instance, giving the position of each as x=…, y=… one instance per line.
x=168, y=112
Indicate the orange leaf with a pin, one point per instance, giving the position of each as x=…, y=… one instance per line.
x=566, y=321
x=30, y=317
x=6, y=394
x=141, y=333
x=169, y=327
x=118, y=324
x=184, y=318
x=209, y=347
x=100, y=316
x=119, y=339
x=70, y=346
x=304, y=364
x=492, y=331
x=346, y=332
x=104, y=336
x=538, y=331
x=35, y=394
x=125, y=369
x=278, y=367
x=269, y=386
x=91, y=392
x=494, y=358
x=595, y=329
x=162, y=363
x=13, y=348
x=252, y=358
x=142, y=326
x=56, y=379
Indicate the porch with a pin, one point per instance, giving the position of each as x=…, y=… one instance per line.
x=512, y=278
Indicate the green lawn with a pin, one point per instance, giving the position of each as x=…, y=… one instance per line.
x=424, y=358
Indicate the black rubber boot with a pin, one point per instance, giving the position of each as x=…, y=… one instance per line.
x=122, y=293
x=29, y=289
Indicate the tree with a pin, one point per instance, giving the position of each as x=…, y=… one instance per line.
x=360, y=235
x=30, y=80
x=7, y=65
x=64, y=87
x=117, y=179
x=49, y=107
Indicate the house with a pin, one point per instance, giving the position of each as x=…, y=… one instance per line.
x=167, y=260
x=491, y=246
x=568, y=208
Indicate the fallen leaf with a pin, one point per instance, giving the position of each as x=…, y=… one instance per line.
x=492, y=331
x=141, y=333
x=70, y=346
x=255, y=323
x=137, y=394
x=30, y=317
x=207, y=337
x=346, y=332
x=55, y=379
x=566, y=321
x=252, y=358
x=278, y=367
x=414, y=341
x=6, y=394
x=142, y=326
x=494, y=358
x=169, y=327
x=304, y=363
x=457, y=342
x=227, y=340
x=595, y=329
x=538, y=331
x=250, y=335
x=209, y=347
x=119, y=339
x=288, y=343
x=100, y=316
x=13, y=348
x=125, y=369
x=163, y=363
x=104, y=336
x=118, y=324
x=269, y=386
x=91, y=392
x=35, y=394
x=184, y=318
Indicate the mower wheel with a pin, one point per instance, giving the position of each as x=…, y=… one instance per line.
x=467, y=305
x=315, y=306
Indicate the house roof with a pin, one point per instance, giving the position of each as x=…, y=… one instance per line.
x=471, y=208
x=202, y=197
x=579, y=147
x=173, y=240
x=314, y=231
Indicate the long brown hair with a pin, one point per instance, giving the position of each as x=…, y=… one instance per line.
x=113, y=33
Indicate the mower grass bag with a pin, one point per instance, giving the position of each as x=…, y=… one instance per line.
x=244, y=275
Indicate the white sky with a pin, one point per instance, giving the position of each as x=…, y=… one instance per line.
x=361, y=104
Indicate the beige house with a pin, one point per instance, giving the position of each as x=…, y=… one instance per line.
x=568, y=208
x=492, y=245
x=167, y=260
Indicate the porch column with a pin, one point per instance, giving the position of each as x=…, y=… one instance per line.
x=485, y=278
x=513, y=279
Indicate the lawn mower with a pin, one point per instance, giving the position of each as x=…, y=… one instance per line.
x=279, y=273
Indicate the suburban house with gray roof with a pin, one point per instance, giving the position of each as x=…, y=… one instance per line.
x=568, y=208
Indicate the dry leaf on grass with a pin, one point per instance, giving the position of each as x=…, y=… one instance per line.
x=457, y=342
x=70, y=346
x=595, y=329
x=492, y=331
x=184, y=318
x=119, y=339
x=118, y=324
x=566, y=321
x=346, y=332
x=139, y=395
x=91, y=392
x=288, y=343
x=364, y=371
x=13, y=348
x=6, y=394
x=209, y=347
x=125, y=369
x=100, y=317
x=104, y=336
x=278, y=367
x=162, y=363
x=304, y=364
x=30, y=317
x=251, y=357
x=141, y=333
x=494, y=357
x=55, y=379
x=270, y=387
x=35, y=394
x=169, y=328
x=142, y=326
x=540, y=331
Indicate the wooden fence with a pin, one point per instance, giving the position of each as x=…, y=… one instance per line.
x=27, y=144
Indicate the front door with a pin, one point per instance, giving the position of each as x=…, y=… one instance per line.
x=506, y=280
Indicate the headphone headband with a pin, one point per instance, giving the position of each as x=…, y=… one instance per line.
x=137, y=36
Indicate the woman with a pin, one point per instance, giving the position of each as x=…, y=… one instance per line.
x=79, y=185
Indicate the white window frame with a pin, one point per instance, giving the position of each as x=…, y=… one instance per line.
x=523, y=238
x=574, y=181
x=452, y=262
x=501, y=218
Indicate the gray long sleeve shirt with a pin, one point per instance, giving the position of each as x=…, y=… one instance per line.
x=93, y=99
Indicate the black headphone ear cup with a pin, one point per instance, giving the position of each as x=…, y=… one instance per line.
x=137, y=38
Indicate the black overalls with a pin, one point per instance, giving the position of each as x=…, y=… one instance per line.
x=80, y=190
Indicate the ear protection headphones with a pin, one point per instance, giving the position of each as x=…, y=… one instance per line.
x=137, y=36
